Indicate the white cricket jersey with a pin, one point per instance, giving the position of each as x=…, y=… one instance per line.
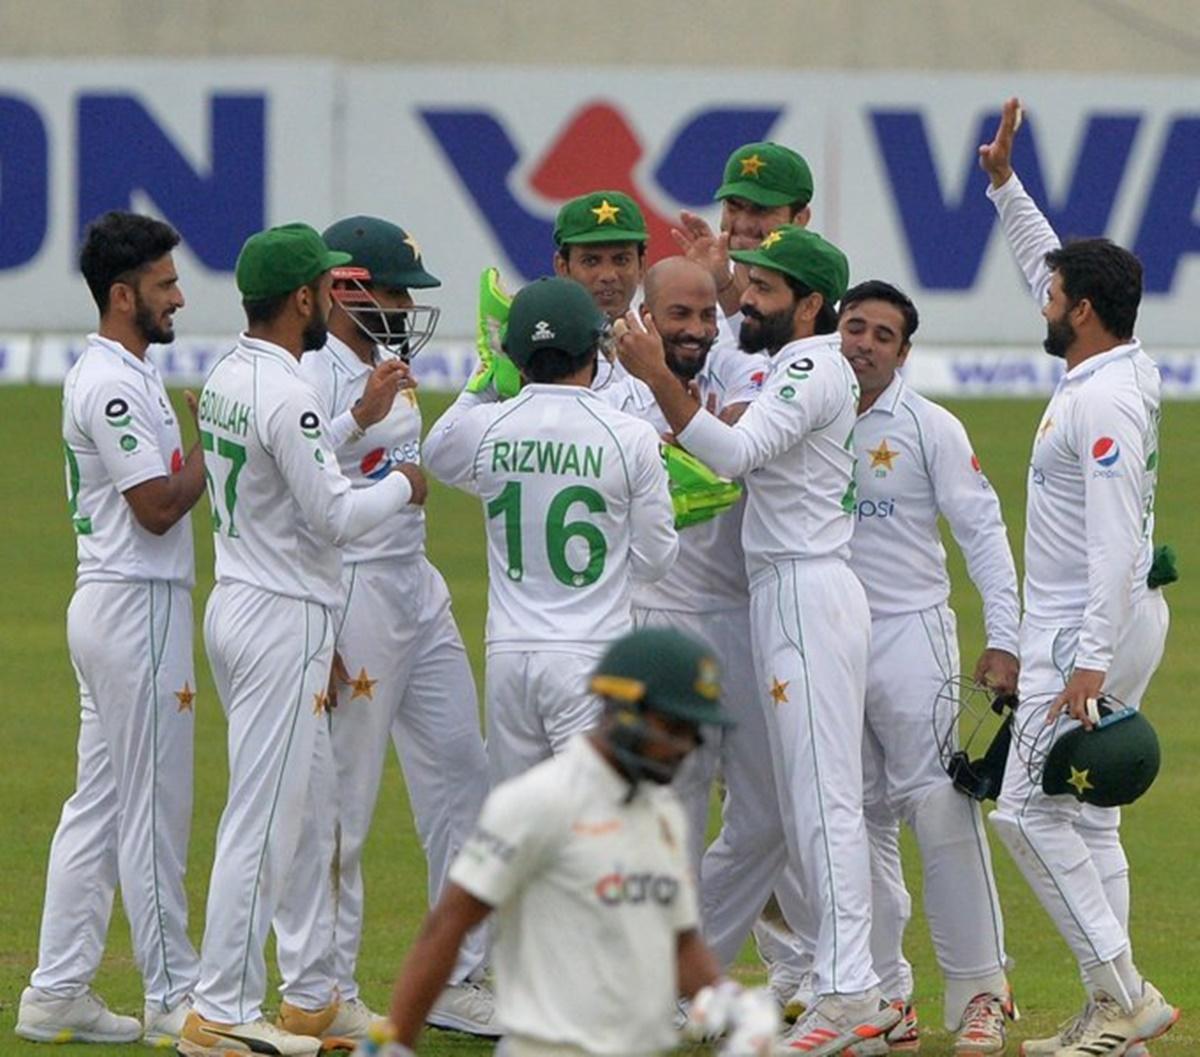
x=794, y=447
x=281, y=507
x=1089, y=521
x=339, y=377
x=592, y=889
x=915, y=462
x=710, y=573
x=577, y=505
x=119, y=430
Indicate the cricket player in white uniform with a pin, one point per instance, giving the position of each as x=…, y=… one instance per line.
x=916, y=464
x=407, y=677
x=809, y=616
x=1092, y=624
x=281, y=509
x=583, y=861
x=577, y=506
x=129, y=630
x=706, y=595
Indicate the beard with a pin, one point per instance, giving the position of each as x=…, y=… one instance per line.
x=686, y=366
x=152, y=330
x=759, y=332
x=1060, y=336
x=315, y=334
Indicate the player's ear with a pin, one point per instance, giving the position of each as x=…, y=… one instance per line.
x=802, y=217
x=905, y=349
x=560, y=261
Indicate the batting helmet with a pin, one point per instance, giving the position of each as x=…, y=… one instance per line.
x=973, y=729
x=1112, y=764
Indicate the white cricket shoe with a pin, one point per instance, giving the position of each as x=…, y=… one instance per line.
x=84, y=1018
x=905, y=1036
x=339, y=1026
x=1109, y=1031
x=836, y=1025
x=355, y=1021
x=982, y=1030
x=207, y=1038
x=164, y=1029
x=792, y=996
x=468, y=1007
x=1070, y=1031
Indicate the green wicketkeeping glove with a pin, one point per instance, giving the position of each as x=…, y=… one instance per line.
x=494, y=367
x=1163, y=570
x=697, y=494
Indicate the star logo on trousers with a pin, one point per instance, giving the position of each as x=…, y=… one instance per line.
x=185, y=697
x=778, y=691
x=362, y=686
x=320, y=702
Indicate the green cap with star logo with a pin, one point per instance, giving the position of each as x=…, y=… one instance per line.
x=386, y=250
x=1110, y=765
x=282, y=259
x=602, y=216
x=767, y=174
x=803, y=255
x=553, y=313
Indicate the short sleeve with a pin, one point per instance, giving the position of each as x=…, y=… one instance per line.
x=120, y=418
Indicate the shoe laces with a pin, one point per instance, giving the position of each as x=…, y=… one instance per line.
x=983, y=1013
x=1072, y=1030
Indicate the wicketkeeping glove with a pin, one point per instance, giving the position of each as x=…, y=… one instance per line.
x=495, y=368
x=755, y=1025
x=697, y=494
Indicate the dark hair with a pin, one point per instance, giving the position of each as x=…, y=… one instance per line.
x=564, y=250
x=117, y=246
x=878, y=290
x=1108, y=276
x=826, y=321
x=551, y=365
x=264, y=312
x=798, y=206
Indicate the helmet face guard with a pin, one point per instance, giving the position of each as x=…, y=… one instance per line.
x=402, y=331
x=973, y=730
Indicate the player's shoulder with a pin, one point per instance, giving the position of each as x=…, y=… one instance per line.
x=931, y=416
x=544, y=797
x=1128, y=382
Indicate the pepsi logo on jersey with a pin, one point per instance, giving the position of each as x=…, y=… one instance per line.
x=875, y=508
x=1106, y=452
x=379, y=462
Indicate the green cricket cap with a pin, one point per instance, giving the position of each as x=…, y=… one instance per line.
x=281, y=259
x=803, y=255
x=602, y=216
x=663, y=670
x=386, y=250
x=553, y=313
x=767, y=174
x=1112, y=764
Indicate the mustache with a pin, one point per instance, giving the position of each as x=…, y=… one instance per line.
x=751, y=313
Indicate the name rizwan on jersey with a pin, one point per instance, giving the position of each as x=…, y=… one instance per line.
x=546, y=456
x=224, y=412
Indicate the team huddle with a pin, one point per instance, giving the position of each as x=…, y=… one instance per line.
x=711, y=506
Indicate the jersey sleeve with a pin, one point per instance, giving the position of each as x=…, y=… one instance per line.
x=1028, y=232
x=334, y=510
x=744, y=378
x=797, y=400
x=512, y=841
x=972, y=509
x=653, y=541
x=120, y=418
x=450, y=448
x=1107, y=431
x=317, y=369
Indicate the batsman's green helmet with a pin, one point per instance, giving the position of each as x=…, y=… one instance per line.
x=1112, y=764
x=386, y=250
x=553, y=314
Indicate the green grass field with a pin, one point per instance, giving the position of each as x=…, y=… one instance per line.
x=39, y=714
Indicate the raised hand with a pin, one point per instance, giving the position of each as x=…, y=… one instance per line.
x=380, y=393
x=995, y=158
x=700, y=244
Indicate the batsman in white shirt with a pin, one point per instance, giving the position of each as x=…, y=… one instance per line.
x=577, y=506
x=406, y=678
x=281, y=510
x=583, y=861
x=129, y=630
x=1092, y=623
x=809, y=618
x=915, y=466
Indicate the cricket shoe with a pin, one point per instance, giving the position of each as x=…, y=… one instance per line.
x=1070, y=1031
x=84, y=1018
x=836, y=1025
x=1110, y=1031
x=339, y=1026
x=468, y=1007
x=163, y=1027
x=207, y=1038
x=792, y=996
x=905, y=1037
x=982, y=1031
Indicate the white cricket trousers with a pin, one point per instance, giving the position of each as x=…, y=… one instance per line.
x=270, y=657
x=912, y=655
x=737, y=870
x=1070, y=853
x=811, y=632
x=130, y=815
x=537, y=701
x=411, y=684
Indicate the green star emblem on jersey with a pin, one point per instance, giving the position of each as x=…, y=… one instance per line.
x=128, y=442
